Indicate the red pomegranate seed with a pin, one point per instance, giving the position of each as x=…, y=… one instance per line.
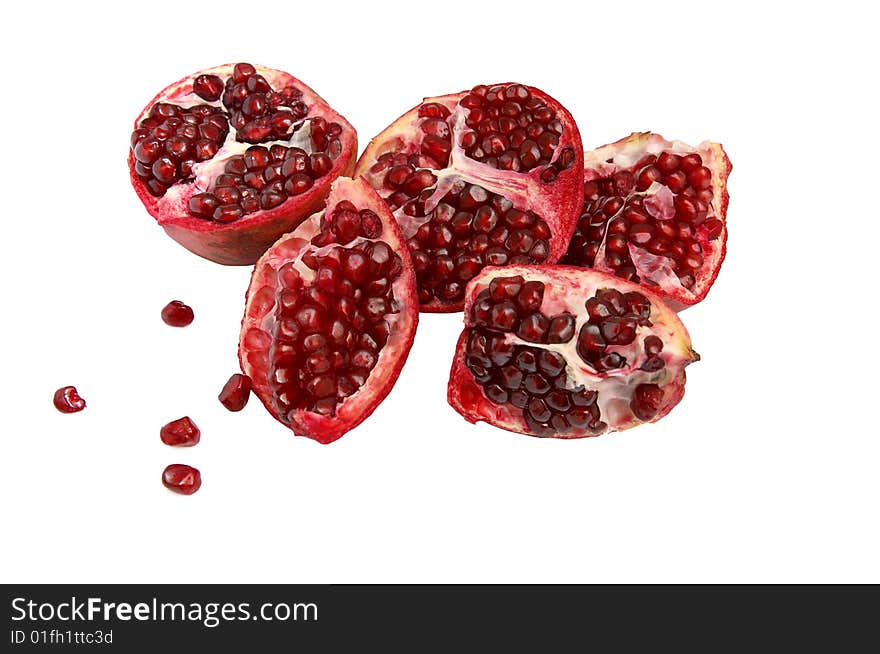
x=67, y=400
x=208, y=87
x=181, y=478
x=181, y=432
x=236, y=392
x=177, y=314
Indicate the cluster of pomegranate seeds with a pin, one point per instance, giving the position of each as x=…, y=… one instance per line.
x=182, y=479
x=614, y=319
x=177, y=314
x=257, y=111
x=530, y=378
x=181, y=432
x=509, y=128
x=236, y=392
x=263, y=178
x=621, y=212
x=172, y=139
x=67, y=400
x=469, y=228
x=328, y=334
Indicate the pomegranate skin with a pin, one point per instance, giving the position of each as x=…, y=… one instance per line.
x=242, y=242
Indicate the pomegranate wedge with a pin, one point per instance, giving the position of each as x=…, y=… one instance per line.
x=655, y=212
x=330, y=316
x=563, y=352
x=490, y=176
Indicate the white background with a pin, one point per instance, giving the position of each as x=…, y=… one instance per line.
x=766, y=472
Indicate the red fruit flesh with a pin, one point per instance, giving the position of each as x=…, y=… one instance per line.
x=330, y=315
x=229, y=159
x=180, y=433
x=490, y=176
x=236, y=392
x=67, y=400
x=181, y=478
x=177, y=314
x=562, y=352
x=655, y=213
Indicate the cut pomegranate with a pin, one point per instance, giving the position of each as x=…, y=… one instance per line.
x=67, y=400
x=177, y=314
x=181, y=432
x=330, y=315
x=181, y=478
x=490, y=176
x=655, y=213
x=564, y=352
x=230, y=158
x=236, y=392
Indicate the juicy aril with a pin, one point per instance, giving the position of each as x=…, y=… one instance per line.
x=490, y=176
x=230, y=158
x=563, y=352
x=655, y=213
x=330, y=315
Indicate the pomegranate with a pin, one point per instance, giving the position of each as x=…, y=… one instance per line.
x=236, y=392
x=177, y=314
x=230, y=158
x=655, y=213
x=181, y=432
x=490, y=176
x=330, y=315
x=564, y=352
x=67, y=400
x=181, y=478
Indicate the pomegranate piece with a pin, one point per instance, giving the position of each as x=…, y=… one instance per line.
x=180, y=433
x=236, y=392
x=330, y=315
x=181, y=478
x=655, y=212
x=177, y=314
x=490, y=176
x=67, y=400
x=558, y=351
x=229, y=159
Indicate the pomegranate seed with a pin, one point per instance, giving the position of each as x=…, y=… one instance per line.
x=177, y=314
x=67, y=400
x=181, y=432
x=182, y=479
x=236, y=392
x=208, y=87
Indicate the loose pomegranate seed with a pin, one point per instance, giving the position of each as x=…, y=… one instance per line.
x=67, y=400
x=181, y=478
x=180, y=432
x=177, y=314
x=236, y=392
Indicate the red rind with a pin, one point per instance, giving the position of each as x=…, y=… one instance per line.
x=242, y=242
x=355, y=409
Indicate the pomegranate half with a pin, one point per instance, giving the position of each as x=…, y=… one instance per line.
x=490, y=176
x=655, y=212
x=558, y=351
x=330, y=315
x=230, y=158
